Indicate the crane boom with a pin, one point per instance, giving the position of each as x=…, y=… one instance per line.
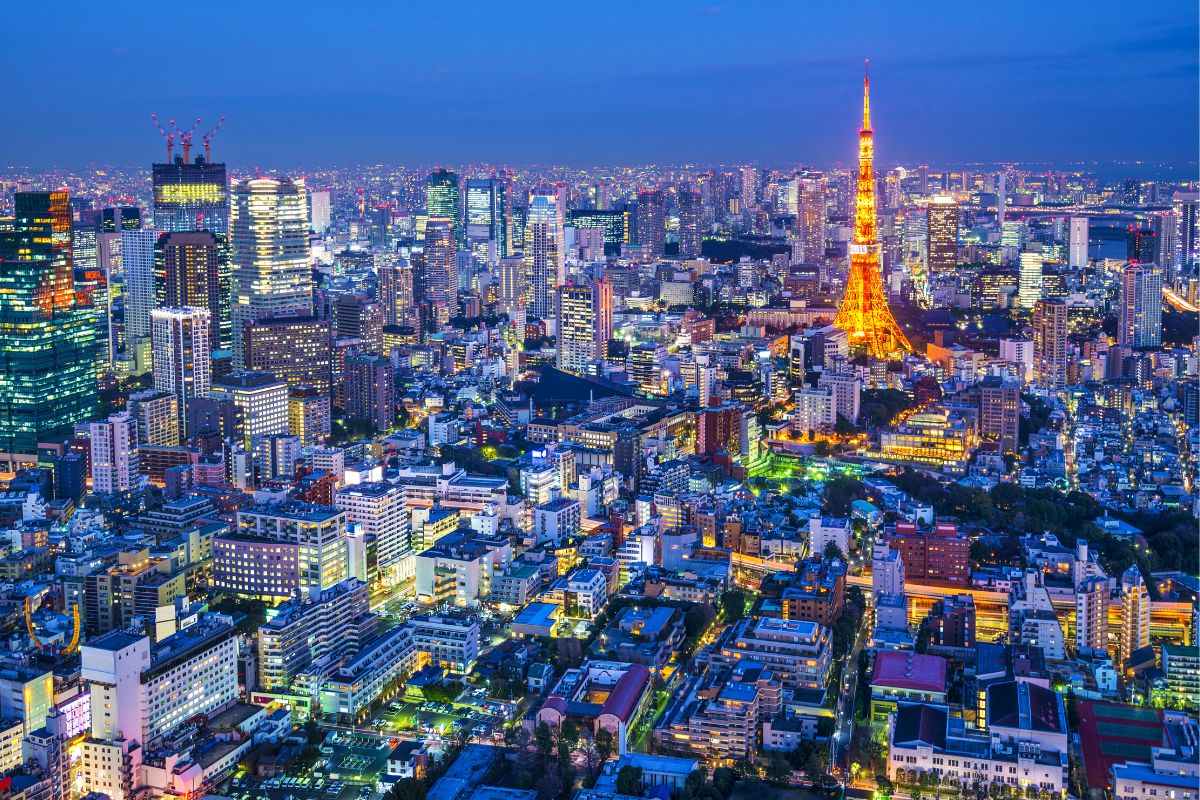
x=208, y=137
x=169, y=137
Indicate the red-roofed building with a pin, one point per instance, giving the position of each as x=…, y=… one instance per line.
x=600, y=694
x=1115, y=733
x=904, y=676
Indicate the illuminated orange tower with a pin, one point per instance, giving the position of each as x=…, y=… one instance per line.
x=864, y=314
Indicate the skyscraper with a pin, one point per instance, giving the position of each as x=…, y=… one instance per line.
x=137, y=259
x=182, y=354
x=1029, y=279
x=651, y=222
x=1186, y=205
x=942, y=235
x=442, y=201
x=47, y=341
x=691, y=235
x=188, y=271
x=864, y=313
x=371, y=391
x=584, y=314
x=1139, y=322
x=319, y=210
x=1050, y=344
x=271, y=273
x=1077, y=242
x=114, y=451
x=1166, y=242
x=438, y=272
x=296, y=350
x=394, y=288
x=191, y=196
x=812, y=217
x=545, y=264
x=488, y=218
x=255, y=405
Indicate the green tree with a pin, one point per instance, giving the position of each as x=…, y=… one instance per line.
x=543, y=739
x=778, y=766
x=629, y=781
x=694, y=783
x=833, y=551
x=733, y=605
x=407, y=789
x=605, y=744
x=723, y=779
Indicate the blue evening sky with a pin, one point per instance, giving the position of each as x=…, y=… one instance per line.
x=307, y=84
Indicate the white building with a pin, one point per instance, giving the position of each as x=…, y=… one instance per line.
x=140, y=693
x=824, y=530
x=451, y=642
x=813, y=410
x=847, y=390
x=181, y=354
x=381, y=510
x=114, y=451
x=1077, y=242
x=556, y=520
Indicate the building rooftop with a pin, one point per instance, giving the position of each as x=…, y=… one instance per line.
x=913, y=671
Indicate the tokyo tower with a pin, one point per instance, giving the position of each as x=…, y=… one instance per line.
x=864, y=313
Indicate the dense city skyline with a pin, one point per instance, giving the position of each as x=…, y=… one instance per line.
x=422, y=84
x=787, y=470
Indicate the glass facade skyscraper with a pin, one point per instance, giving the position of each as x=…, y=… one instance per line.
x=269, y=236
x=191, y=197
x=47, y=339
x=441, y=200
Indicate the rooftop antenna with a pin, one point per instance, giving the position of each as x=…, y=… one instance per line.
x=207, y=138
x=169, y=137
x=185, y=139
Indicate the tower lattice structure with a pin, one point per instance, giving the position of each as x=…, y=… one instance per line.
x=864, y=313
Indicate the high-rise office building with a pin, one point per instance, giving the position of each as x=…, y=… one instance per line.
x=191, y=196
x=1050, y=344
x=308, y=415
x=584, y=314
x=47, y=341
x=1134, y=633
x=442, y=200
x=488, y=218
x=437, y=272
x=1077, y=242
x=1029, y=279
x=545, y=264
x=269, y=240
x=652, y=222
x=137, y=260
x=394, y=288
x=1141, y=245
x=1139, y=321
x=691, y=215
x=114, y=454
x=254, y=405
x=189, y=270
x=182, y=355
x=811, y=222
x=296, y=350
x=942, y=235
x=360, y=317
x=371, y=391
x=319, y=212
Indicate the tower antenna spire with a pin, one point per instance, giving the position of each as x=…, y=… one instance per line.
x=867, y=95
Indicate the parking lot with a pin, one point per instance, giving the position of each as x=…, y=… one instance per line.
x=481, y=718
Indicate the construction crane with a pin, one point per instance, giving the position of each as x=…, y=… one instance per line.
x=207, y=138
x=185, y=139
x=29, y=626
x=170, y=137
